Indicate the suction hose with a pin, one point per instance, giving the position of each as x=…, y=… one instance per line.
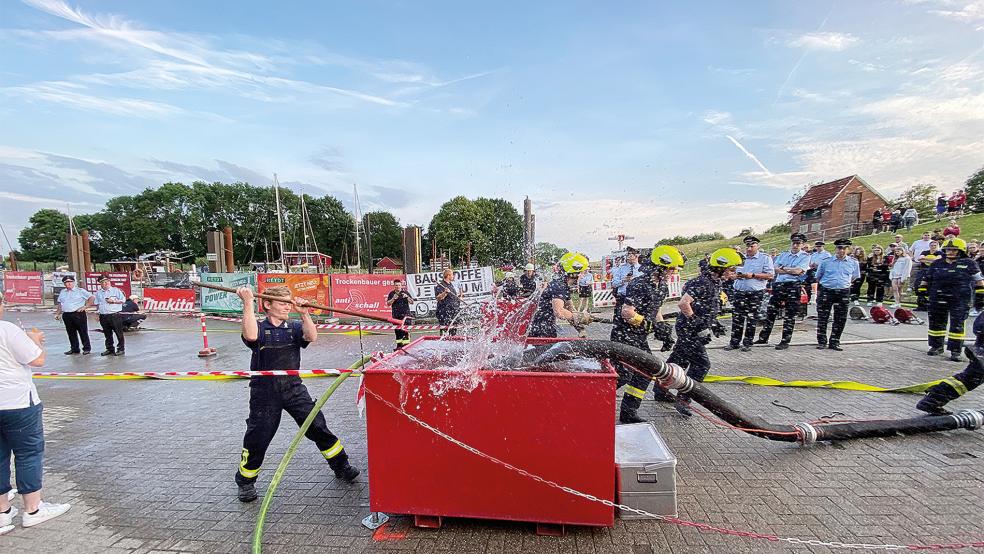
x=672, y=376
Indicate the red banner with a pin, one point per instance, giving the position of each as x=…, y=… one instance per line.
x=363, y=293
x=168, y=300
x=120, y=280
x=23, y=287
x=310, y=286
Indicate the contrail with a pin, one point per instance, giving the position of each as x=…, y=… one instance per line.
x=800, y=60
x=749, y=154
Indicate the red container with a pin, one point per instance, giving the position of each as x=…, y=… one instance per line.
x=508, y=318
x=559, y=426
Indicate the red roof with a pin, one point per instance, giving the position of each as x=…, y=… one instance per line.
x=389, y=263
x=821, y=195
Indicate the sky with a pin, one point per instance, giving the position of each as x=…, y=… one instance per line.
x=650, y=119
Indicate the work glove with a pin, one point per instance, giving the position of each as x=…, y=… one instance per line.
x=718, y=328
x=704, y=337
x=580, y=320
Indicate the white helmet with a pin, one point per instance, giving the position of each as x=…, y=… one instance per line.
x=509, y=275
x=530, y=267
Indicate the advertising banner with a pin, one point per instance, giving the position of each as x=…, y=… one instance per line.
x=168, y=300
x=118, y=279
x=310, y=286
x=217, y=301
x=363, y=293
x=56, y=282
x=474, y=286
x=23, y=287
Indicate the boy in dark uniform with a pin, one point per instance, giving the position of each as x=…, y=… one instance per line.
x=276, y=343
x=399, y=302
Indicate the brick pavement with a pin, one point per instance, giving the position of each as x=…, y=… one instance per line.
x=148, y=465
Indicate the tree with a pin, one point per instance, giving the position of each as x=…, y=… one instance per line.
x=456, y=226
x=547, y=253
x=386, y=234
x=922, y=197
x=44, y=240
x=974, y=187
x=502, y=228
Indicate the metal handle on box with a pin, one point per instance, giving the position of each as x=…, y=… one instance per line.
x=647, y=478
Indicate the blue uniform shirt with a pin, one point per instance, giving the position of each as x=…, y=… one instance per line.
x=104, y=306
x=789, y=260
x=72, y=300
x=834, y=273
x=759, y=263
x=619, y=274
x=818, y=258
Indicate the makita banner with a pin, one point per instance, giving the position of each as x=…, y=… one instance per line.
x=168, y=300
x=23, y=287
x=362, y=293
x=217, y=301
x=474, y=287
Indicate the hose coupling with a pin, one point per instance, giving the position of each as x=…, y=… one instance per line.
x=807, y=433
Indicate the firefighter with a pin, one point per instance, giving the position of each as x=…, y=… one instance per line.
x=960, y=384
x=834, y=278
x=527, y=281
x=509, y=289
x=949, y=282
x=639, y=317
x=399, y=301
x=790, y=266
x=749, y=289
x=697, y=319
x=276, y=343
x=555, y=300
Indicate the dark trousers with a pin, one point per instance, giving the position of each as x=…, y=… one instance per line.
x=690, y=352
x=112, y=324
x=921, y=296
x=446, y=318
x=402, y=338
x=269, y=397
x=811, y=277
x=785, y=298
x=856, y=287
x=745, y=316
x=942, y=309
x=954, y=387
x=77, y=326
x=838, y=299
x=22, y=434
x=635, y=382
x=876, y=288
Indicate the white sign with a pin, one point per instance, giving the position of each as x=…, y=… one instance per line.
x=211, y=257
x=474, y=287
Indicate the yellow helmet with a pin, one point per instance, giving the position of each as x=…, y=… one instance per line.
x=725, y=257
x=954, y=242
x=573, y=262
x=666, y=256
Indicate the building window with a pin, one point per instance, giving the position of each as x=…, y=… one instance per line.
x=811, y=214
x=804, y=228
x=816, y=226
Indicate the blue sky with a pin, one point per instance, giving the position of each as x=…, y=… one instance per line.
x=647, y=118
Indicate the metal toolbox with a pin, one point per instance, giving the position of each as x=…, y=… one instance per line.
x=646, y=471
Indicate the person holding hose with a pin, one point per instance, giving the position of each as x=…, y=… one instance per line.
x=949, y=282
x=555, y=301
x=639, y=317
x=697, y=319
x=789, y=267
x=276, y=343
x=940, y=394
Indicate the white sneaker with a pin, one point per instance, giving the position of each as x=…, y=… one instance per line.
x=45, y=512
x=896, y=306
x=869, y=304
x=8, y=518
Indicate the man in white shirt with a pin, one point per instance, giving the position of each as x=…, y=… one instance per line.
x=920, y=246
x=21, y=430
x=109, y=301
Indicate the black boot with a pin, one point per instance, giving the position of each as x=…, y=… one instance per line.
x=935, y=351
x=347, y=473
x=247, y=492
x=662, y=395
x=932, y=404
x=630, y=416
x=682, y=406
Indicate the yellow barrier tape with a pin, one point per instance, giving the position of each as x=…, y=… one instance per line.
x=839, y=385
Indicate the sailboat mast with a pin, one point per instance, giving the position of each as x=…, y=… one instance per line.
x=280, y=223
x=358, y=250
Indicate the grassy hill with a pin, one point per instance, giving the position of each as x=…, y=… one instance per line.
x=971, y=228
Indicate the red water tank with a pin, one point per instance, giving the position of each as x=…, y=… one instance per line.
x=556, y=425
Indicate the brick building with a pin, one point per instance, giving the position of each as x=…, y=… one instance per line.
x=841, y=208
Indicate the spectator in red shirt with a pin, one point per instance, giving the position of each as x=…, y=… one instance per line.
x=961, y=201
x=952, y=230
x=951, y=204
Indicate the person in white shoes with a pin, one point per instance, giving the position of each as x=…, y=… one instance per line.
x=899, y=273
x=21, y=430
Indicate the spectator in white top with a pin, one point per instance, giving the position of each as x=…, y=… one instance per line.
x=921, y=245
x=899, y=273
x=584, y=290
x=21, y=429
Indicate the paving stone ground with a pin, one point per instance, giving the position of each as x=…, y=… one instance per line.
x=148, y=465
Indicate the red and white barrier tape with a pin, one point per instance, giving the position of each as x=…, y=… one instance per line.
x=184, y=374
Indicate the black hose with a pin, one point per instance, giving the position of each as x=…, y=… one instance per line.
x=673, y=376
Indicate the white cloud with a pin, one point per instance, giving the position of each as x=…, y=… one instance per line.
x=715, y=117
x=69, y=94
x=966, y=12
x=60, y=202
x=829, y=41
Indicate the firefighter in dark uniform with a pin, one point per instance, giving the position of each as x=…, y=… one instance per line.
x=639, y=317
x=509, y=290
x=527, y=281
x=555, y=300
x=949, y=281
x=834, y=277
x=448, y=302
x=399, y=302
x=697, y=319
x=276, y=343
x=790, y=266
x=960, y=384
